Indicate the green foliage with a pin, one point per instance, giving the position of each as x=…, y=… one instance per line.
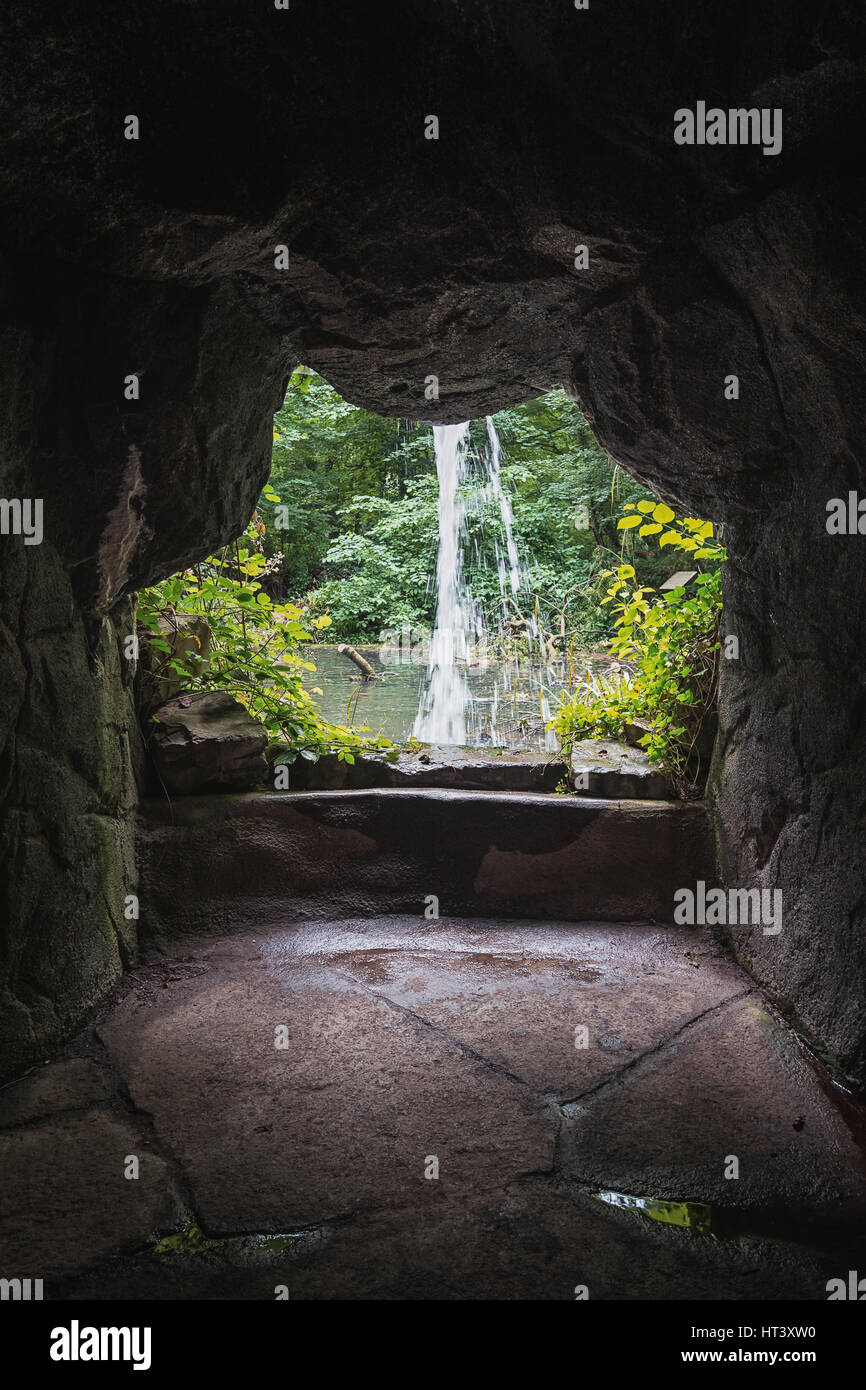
x=694, y=1216
x=326, y=455
x=256, y=645
x=360, y=529
x=192, y=1241
x=379, y=571
x=671, y=642
x=189, y=1241
x=566, y=494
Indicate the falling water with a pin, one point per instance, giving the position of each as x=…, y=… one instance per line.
x=442, y=712
x=518, y=578
x=496, y=491
x=448, y=714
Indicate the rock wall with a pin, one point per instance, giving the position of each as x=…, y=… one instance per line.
x=69, y=755
x=787, y=789
x=124, y=488
x=779, y=303
x=411, y=258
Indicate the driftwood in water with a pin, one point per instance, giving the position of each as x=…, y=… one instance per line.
x=360, y=661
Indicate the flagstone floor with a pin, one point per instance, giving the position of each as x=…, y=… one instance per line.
x=395, y=1109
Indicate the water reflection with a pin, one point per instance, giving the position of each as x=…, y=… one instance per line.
x=504, y=708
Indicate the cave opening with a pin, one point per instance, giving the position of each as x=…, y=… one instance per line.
x=370, y=1025
x=463, y=587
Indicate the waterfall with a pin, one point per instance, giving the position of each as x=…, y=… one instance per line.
x=441, y=715
x=506, y=513
x=448, y=713
x=518, y=578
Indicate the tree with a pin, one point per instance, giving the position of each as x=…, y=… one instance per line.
x=358, y=527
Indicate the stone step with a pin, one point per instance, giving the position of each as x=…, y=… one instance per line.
x=219, y=862
x=599, y=768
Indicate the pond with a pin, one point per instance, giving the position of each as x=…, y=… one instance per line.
x=506, y=697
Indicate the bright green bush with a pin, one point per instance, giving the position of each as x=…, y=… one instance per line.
x=669, y=648
x=257, y=646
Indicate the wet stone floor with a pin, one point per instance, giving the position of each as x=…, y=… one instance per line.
x=395, y=1109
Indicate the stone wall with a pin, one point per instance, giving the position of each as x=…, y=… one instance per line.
x=129, y=491
x=787, y=790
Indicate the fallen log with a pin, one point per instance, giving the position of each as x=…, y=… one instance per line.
x=360, y=661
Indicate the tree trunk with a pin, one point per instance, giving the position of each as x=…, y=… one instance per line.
x=360, y=661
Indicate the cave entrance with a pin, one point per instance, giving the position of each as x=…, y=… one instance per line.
x=492, y=590
x=460, y=568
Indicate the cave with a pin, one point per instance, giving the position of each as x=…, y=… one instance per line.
x=283, y=197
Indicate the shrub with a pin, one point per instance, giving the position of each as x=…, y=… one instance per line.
x=671, y=643
x=256, y=646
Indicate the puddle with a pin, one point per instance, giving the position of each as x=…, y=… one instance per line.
x=820, y=1228
x=368, y=965
x=693, y=1216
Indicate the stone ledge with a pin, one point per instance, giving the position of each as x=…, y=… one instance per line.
x=467, y=769
x=216, y=863
x=607, y=768
x=600, y=767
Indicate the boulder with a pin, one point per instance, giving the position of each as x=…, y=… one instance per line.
x=206, y=742
x=603, y=767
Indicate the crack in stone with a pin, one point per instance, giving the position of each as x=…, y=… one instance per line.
x=447, y=1037
x=652, y=1051
x=39, y=1121
x=179, y=1185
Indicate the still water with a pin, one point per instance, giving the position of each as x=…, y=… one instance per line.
x=504, y=709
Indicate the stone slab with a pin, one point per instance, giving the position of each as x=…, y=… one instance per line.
x=404, y=1042
x=516, y=993
x=339, y=1120
x=65, y=1204
x=206, y=741
x=732, y=1085
x=468, y=769
x=52, y=1089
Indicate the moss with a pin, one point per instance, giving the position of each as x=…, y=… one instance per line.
x=191, y=1241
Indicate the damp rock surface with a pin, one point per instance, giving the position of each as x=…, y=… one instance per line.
x=603, y=767
x=206, y=742
x=599, y=768
x=209, y=862
x=401, y=1108
x=471, y=769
